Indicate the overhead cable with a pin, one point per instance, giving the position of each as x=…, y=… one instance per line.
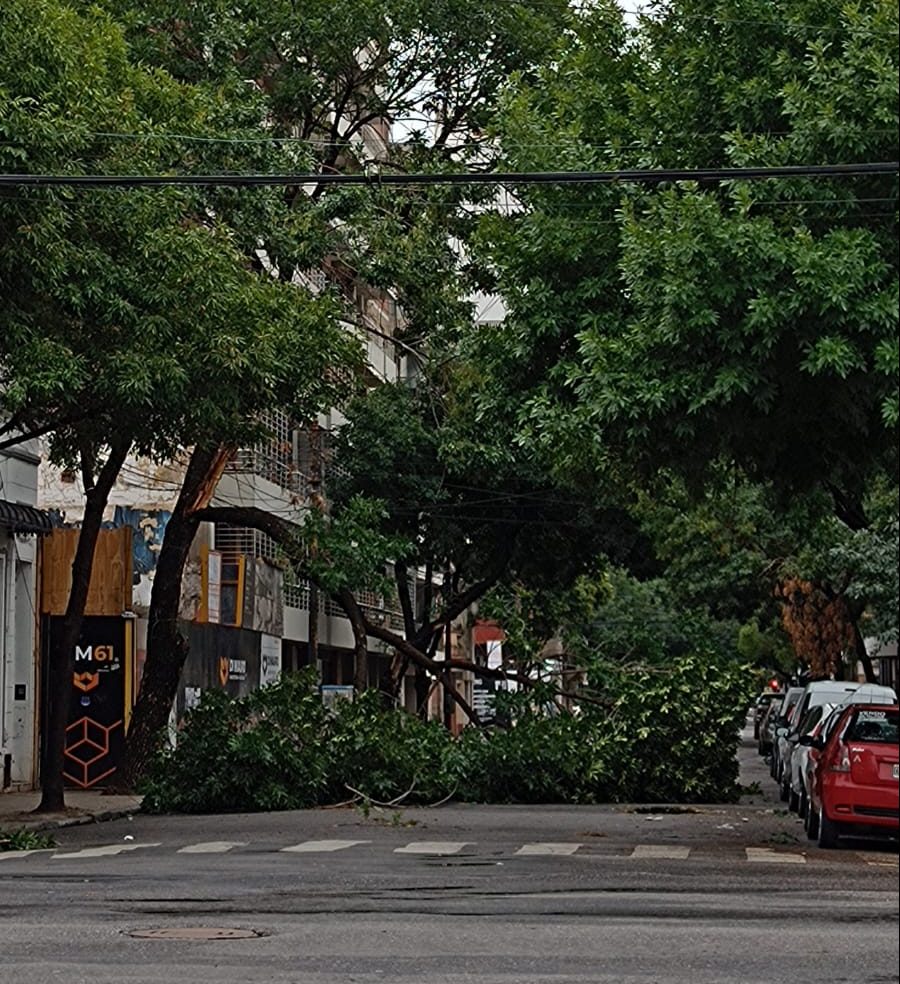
x=375, y=180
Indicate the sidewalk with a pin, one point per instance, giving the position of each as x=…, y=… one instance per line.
x=82, y=806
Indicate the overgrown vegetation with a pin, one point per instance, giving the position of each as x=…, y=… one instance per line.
x=664, y=735
x=24, y=839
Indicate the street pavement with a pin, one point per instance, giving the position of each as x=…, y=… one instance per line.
x=715, y=894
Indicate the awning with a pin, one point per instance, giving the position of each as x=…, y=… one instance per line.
x=24, y=519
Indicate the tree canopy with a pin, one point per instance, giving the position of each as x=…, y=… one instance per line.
x=679, y=326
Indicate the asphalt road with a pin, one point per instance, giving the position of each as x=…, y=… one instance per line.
x=518, y=895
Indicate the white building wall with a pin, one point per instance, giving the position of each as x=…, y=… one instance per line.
x=18, y=620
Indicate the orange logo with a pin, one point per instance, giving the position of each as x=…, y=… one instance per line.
x=86, y=681
x=223, y=670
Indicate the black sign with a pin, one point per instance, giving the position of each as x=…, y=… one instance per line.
x=95, y=735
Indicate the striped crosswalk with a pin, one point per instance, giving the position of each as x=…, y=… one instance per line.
x=438, y=848
x=463, y=849
x=669, y=852
x=105, y=850
x=769, y=855
x=211, y=847
x=552, y=849
x=327, y=846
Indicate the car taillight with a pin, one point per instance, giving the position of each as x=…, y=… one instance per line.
x=841, y=760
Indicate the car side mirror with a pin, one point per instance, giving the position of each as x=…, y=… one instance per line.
x=781, y=732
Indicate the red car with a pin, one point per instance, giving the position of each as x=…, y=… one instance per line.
x=854, y=787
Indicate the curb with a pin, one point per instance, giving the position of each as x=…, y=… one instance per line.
x=77, y=821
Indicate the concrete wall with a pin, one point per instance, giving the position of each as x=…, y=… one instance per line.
x=18, y=593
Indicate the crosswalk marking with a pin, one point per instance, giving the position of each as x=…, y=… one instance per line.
x=315, y=846
x=432, y=847
x=211, y=847
x=768, y=854
x=105, y=851
x=548, y=848
x=647, y=852
x=870, y=857
x=672, y=852
x=8, y=855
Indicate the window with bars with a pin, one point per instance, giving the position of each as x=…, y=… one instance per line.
x=296, y=593
x=235, y=541
x=275, y=457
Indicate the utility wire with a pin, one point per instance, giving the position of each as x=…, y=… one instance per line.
x=315, y=144
x=634, y=176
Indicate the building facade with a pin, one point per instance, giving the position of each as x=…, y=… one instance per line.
x=21, y=526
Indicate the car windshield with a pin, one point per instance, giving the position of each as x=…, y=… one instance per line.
x=812, y=718
x=873, y=726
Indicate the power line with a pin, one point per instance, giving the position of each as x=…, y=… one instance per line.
x=633, y=176
x=315, y=144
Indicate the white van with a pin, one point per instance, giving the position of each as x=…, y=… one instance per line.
x=872, y=693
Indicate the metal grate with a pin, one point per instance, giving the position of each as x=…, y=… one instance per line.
x=273, y=458
x=236, y=541
x=296, y=594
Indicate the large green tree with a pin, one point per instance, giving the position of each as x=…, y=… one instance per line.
x=328, y=87
x=129, y=321
x=680, y=325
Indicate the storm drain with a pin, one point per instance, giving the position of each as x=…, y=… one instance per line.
x=196, y=933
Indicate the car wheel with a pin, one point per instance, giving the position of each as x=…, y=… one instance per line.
x=772, y=764
x=793, y=801
x=784, y=788
x=803, y=806
x=828, y=831
x=812, y=823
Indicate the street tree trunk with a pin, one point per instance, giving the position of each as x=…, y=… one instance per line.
x=166, y=647
x=60, y=675
x=861, y=653
x=355, y=615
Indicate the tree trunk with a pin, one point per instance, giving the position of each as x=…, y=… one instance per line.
x=60, y=675
x=166, y=648
x=312, y=645
x=862, y=654
x=345, y=599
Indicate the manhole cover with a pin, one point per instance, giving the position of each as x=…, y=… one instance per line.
x=196, y=933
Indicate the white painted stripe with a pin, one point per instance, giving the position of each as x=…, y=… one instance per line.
x=670, y=852
x=548, y=848
x=4, y=855
x=767, y=854
x=211, y=847
x=105, y=851
x=316, y=846
x=870, y=857
x=432, y=847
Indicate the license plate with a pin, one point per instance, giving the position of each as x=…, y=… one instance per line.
x=895, y=771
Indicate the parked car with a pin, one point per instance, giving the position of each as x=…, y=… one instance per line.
x=762, y=705
x=797, y=793
x=767, y=728
x=782, y=721
x=794, y=790
x=872, y=693
x=809, y=763
x=854, y=785
x=815, y=693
